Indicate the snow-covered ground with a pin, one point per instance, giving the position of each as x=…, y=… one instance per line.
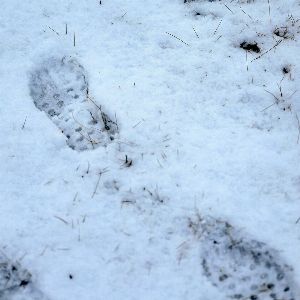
x=202, y=128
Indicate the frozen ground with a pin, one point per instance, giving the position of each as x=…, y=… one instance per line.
x=198, y=127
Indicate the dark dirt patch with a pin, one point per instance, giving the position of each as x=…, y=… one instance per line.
x=250, y=46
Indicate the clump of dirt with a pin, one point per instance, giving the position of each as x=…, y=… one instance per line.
x=197, y=14
x=286, y=70
x=250, y=46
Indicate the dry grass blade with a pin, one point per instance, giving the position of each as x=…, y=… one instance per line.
x=277, y=43
x=298, y=129
x=177, y=38
x=61, y=219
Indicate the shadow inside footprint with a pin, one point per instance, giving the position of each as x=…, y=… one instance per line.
x=59, y=87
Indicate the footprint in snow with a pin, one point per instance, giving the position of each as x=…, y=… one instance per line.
x=242, y=268
x=59, y=87
x=16, y=282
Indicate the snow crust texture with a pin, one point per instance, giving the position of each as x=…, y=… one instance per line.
x=12, y=276
x=59, y=87
x=206, y=94
x=242, y=268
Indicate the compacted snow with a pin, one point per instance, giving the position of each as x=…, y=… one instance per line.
x=150, y=149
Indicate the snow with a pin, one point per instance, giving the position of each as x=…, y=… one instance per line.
x=210, y=129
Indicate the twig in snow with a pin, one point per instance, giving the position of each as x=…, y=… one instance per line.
x=267, y=51
x=53, y=30
x=122, y=15
x=137, y=124
x=116, y=122
x=155, y=195
x=218, y=38
x=127, y=201
x=281, y=98
x=177, y=38
x=217, y=27
x=273, y=95
x=79, y=236
x=61, y=219
x=128, y=162
x=196, y=32
x=44, y=250
x=75, y=197
x=298, y=130
x=99, y=107
x=268, y=106
x=97, y=184
x=159, y=163
x=228, y=8
x=23, y=126
x=246, y=13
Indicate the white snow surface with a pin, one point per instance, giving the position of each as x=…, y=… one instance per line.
x=210, y=129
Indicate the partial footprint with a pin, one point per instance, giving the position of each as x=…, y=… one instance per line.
x=242, y=268
x=12, y=277
x=59, y=87
x=16, y=282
